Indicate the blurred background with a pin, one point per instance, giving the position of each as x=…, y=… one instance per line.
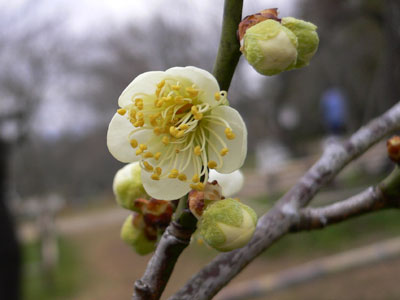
x=63, y=66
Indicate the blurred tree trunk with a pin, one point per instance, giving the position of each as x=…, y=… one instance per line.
x=392, y=36
x=10, y=258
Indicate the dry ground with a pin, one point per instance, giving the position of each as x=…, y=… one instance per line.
x=111, y=268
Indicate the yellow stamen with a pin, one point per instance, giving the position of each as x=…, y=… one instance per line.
x=177, y=150
x=139, y=151
x=134, y=143
x=157, y=131
x=143, y=147
x=198, y=116
x=175, y=87
x=217, y=96
x=165, y=140
x=197, y=150
x=195, y=178
x=224, y=151
x=158, y=171
x=148, y=166
x=182, y=177
x=179, y=134
x=229, y=134
x=173, y=173
x=157, y=155
x=132, y=113
x=192, y=92
x=139, y=115
x=183, y=126
x=179, y=100
x=155, y=177
x=194, y=110
x=121, y=111
x=200, y=186
x=161, y=84
x=148, y=155
x=212, y=164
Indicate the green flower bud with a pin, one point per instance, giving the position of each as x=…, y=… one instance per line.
x=227, y=224
x=127, y=186
x=307, y=38
x=136, y=236
x=270, y=47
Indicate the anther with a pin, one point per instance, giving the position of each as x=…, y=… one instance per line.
x=173, y=173
x=133, y=143
x=165, y=140
x=121, y=111
x=161, y=84
x=224, y=151
x=157, y=156
x=212, y=164
x=148, y=155
x=143, y=147
x=192, y=92
x=155, y=176
x=195, y=178
x=175, y=87
x=183, y=126
x=157, y=131
x=158, y=171
x=194, y=110
x=198, y=116
x=139, y=151
x=148, y=166
x=217, y=96
x=182, y=177
x=197, y=150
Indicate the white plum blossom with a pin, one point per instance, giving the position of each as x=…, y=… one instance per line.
x=178, y=125
x=231, y=183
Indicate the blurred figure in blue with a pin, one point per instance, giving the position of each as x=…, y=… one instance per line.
x=334, y=111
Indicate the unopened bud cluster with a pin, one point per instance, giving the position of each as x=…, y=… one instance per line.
x=150, y=217
x=272, y=45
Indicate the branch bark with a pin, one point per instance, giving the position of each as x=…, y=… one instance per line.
x=174, y=240
x=278, y=221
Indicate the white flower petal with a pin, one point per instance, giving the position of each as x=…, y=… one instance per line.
x=118, y=140
x=230, y=183
x=234, y=159
x=144, y=83
x=204, y=80
x=167, y=188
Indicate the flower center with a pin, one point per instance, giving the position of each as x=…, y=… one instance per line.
x=180, y=124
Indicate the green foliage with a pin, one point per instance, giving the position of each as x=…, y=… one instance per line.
x=62, y=283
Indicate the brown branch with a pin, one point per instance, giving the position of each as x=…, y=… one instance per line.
x=384, y=195
x=278, y=221
x=314, y=218
x=174, y=240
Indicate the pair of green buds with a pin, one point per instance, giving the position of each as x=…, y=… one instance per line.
x=272, y=45
x=224, y=224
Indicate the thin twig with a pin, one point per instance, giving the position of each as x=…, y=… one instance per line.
x=277, y=222
x=228, y=51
